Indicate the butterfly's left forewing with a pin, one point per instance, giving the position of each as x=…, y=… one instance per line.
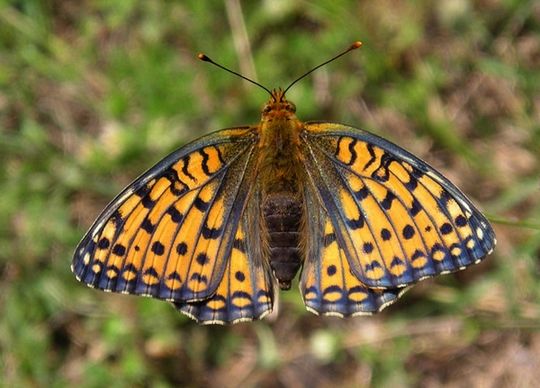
x=396, y=219
x=171, y=234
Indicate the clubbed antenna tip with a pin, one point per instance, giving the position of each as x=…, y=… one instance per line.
x=203, y=57
x=354, y=46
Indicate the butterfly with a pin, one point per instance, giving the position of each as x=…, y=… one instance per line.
x=220, y=225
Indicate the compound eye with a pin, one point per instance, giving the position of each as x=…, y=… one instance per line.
x=291, y=107
x=267, y=109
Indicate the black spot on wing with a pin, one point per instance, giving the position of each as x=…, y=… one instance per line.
x=368, y=247
x=371, y=266
x=331, y=270
x=151, y=272
x=443, y=200
x=361, y=194
x=412, y=184
x=396, y=261
x=148, y=202
x=103, y=243
x=200, y=204
x=239, y=244
x=211, y=233
x=355, y=223
x=199, y=278
x=461, y=221
x=175, y=276
x=116, y=217
x=446, y=228
x=386, y=203
x=240, y=276
x=181, y=248
x=158, y=248
x=386, y=234
x=418, y=254
x=329, y=239
x=408, y=232
x=332, y=289
x=175, y=215
x=202, y=258
x=241, y=295
x=119, y=250
x=415, y=207
x=142, y=191
x=147, y=226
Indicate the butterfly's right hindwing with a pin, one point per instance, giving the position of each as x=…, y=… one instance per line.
x=246, y=290
x=327, y=285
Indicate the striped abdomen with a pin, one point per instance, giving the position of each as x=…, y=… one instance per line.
x=282, y=214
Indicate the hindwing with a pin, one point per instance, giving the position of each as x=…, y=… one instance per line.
x=328, y=286
x=246, y=290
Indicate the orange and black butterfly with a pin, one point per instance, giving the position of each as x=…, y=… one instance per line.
x=217, y=226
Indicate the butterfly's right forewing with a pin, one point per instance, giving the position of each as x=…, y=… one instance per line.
x=397, y=219
x=246, y=290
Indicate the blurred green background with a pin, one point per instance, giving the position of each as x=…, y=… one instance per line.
x=92, y=93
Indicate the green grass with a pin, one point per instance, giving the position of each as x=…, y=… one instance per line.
x=94, y=93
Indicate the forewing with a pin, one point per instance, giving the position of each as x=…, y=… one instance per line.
x=396, y=219
x=327, y=284
x=170, y=234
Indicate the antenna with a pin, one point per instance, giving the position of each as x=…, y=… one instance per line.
x=353, y=46
x=204, y=58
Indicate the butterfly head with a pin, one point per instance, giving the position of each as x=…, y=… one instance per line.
x=278, y=107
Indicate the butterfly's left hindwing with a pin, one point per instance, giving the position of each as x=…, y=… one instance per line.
x=395, y=219
x=172, y=233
